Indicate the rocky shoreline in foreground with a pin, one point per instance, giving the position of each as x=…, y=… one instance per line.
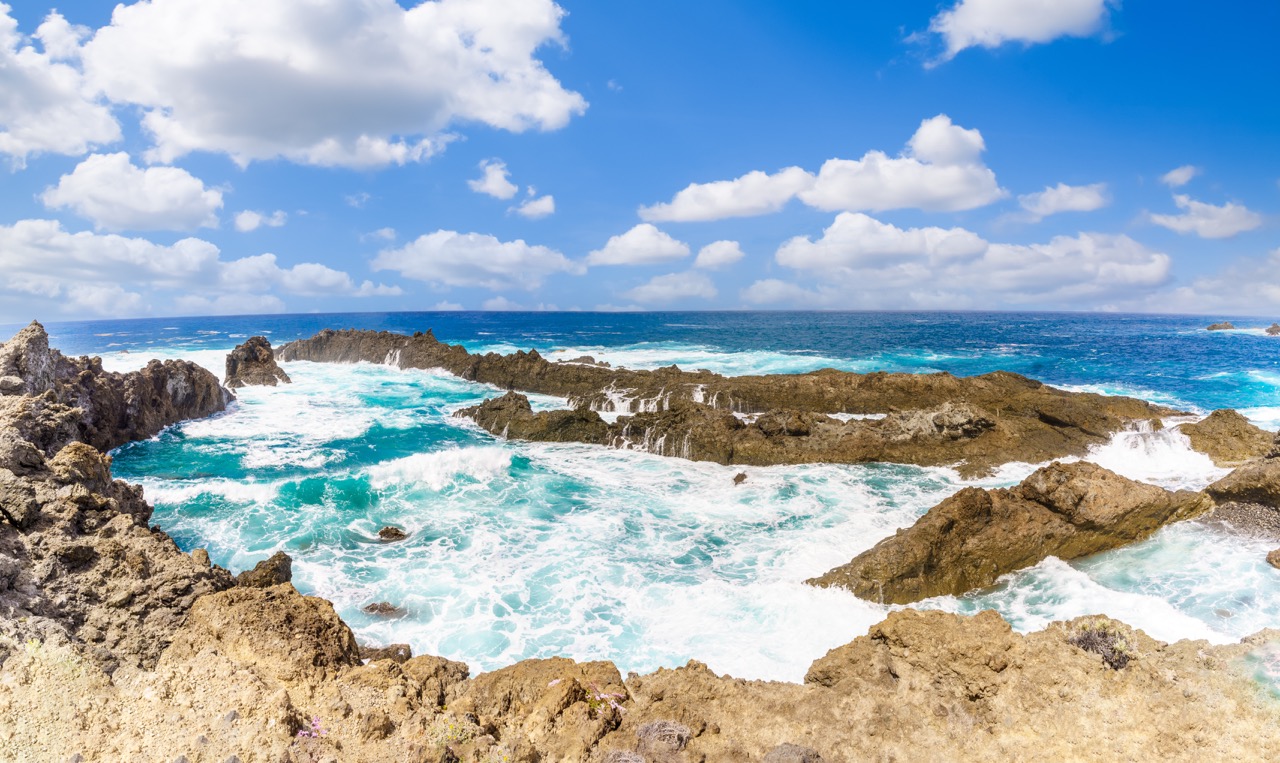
x=165, y=657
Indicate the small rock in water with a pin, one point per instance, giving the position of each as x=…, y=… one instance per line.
x=1221, y=326
x=1273, y=329
x=1224, y=613
x=271, y=572
x=383, y=609
x=392, y=534
x=739, y=478
x=1273, y=558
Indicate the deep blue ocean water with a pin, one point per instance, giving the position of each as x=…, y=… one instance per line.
x=525, y=550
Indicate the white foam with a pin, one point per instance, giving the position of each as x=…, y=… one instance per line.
x=173, y=492
x=1162, y=458
x=439, y=469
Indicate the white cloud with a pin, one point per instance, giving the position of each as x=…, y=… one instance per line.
x=444, y=306
x=1207, y=220
x=449, y=258
x=229, y=304
x=494, y=180
x=941, y=171
x=718, y=254
x=1063, y=198
x=249, y=220
x=642, y=245
x=773, y=291
x=356, y=84
x=855, y=240
x=113, y=274
x=755, y=193
x=537, y=207
x=381, y=234
x=499, y=304
x=1179, y=176
x=1250, y=285
x=672, y=288
x=357, y=200
x=116, y=195
x=864, y=263
x=44, y=104
x=992, y=23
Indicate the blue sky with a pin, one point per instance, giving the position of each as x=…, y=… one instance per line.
x=244, y=156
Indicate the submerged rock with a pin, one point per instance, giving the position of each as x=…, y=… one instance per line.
x=972, y=538
x=268, y=572
x=253, y=363
x=383, y=609
x=391, y=534
x=1221, y=326
x=1228, y=438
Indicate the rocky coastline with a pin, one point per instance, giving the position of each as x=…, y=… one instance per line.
x=115, y=645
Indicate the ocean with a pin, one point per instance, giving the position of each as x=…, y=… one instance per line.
x=521, y=550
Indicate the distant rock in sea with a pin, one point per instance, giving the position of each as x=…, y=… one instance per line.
x=1273, y=329
x=253, y=363
x=1221, y=326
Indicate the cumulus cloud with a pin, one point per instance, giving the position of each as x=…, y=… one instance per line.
x=1250, y=285
x=116, y=195
x=334, y=84
x=941, y=170
x=536, y=207
x=642, y=245
x=1208, y=220
x=992, y=23
x=250, y=220
x=1179, y=176
x=862, y=262
x=494, y=180
x=449, y=258
x=1063, y=198
x=672, y=288
x=755, y=193
x=229, y=304
x=86, y=269
x=44, y=104
x=718, y=254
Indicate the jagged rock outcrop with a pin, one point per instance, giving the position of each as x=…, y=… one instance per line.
x=972, y=538
x=1256, y=482
x=114, y=408
x=253, y=363
x=1273, y=558
x=1228, y=438
x=1221, y=326
x=1273, y=329
x=268, y=573
x=1031, y=421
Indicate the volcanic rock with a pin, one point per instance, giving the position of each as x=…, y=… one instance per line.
x=1255, y=482
x=1221, y=326
x=1228, y=438
x=1000, y=416
x=392, y=534
x=972, y=538
x=253, y=363
x=268, y=572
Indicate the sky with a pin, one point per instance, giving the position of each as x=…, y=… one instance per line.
x=205, y=157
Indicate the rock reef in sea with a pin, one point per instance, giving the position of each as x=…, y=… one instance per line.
x=254, y=363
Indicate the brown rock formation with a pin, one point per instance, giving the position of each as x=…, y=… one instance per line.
x=1221, y=326
x=1255, y=482
x=1273, y=558
x=1273, y=329
x=253, y=363
x=1001, y=416
x=1228, y=438
x=972, y=538
x=268, y=572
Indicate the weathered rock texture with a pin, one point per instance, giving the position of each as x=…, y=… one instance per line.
x=107, y=654
x=932, y=419
x=1255, y=482
x=972, y=538
x=253, y=363
x=1228, y=438
x=1221, y=326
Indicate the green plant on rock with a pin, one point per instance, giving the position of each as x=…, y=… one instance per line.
x=1111, y=640
x=443, y=731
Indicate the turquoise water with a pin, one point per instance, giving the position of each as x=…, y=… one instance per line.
x=528, y=550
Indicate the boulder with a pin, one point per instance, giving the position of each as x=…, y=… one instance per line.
x=392, y=534
x=1228, y=438
x=1255, y=482
x=972, y=538
x=253, y=363
x=1273, y=558
x=436, y=677
x=1221, y=326
x=268, y=572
